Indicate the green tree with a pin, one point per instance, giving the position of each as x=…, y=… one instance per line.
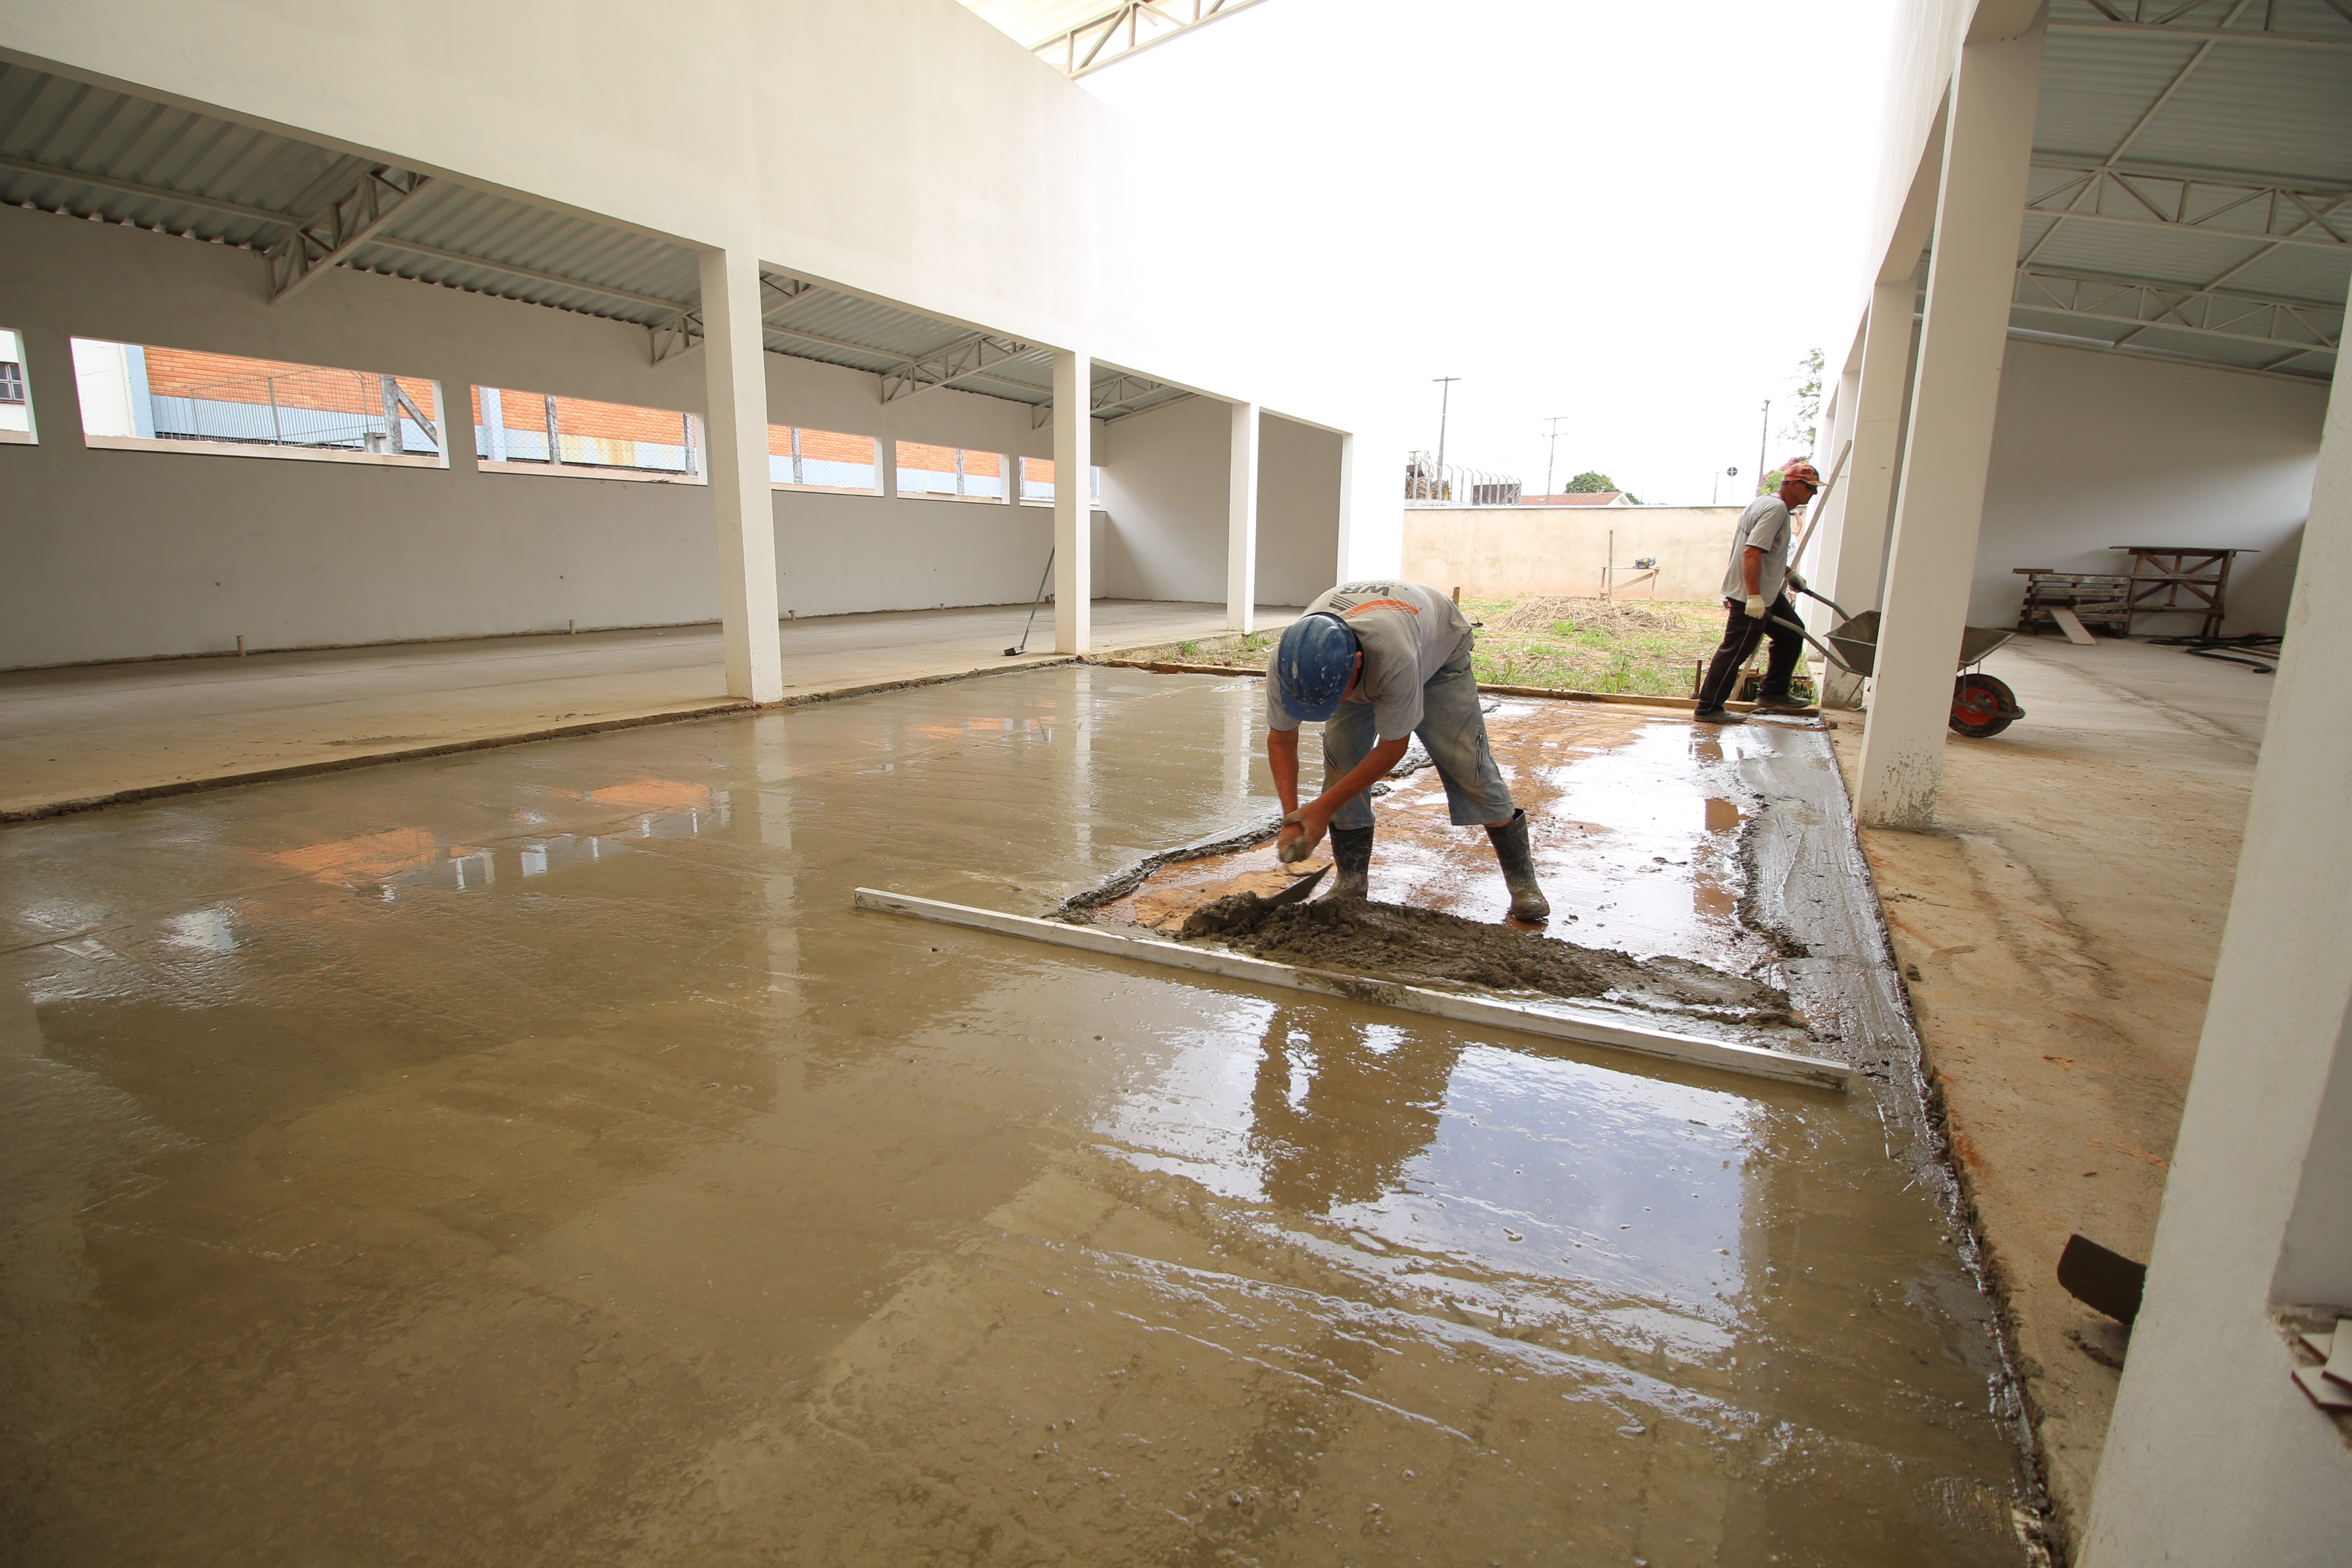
x=1593, y=482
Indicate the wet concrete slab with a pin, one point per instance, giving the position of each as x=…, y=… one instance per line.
x=528, y=1157
x=88, y=735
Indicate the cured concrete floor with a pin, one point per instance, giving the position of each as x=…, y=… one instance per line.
x=526, y=1156
x=94, y=734
x=2059, y=930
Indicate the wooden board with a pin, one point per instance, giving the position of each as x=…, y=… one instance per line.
x=2072, y=624
x=1584, y=1029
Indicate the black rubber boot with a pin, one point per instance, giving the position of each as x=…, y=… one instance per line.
x=1527, y=902
x=1351, y=852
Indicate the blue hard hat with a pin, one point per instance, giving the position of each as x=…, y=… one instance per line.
x=1313, y=665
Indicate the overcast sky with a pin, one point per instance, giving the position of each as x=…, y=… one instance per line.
x=1638, y=217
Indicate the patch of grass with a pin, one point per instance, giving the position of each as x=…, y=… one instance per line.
x=1639, y=647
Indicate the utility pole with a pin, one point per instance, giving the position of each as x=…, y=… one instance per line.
x=1445, y=399
x=1550, y=450
x=1763, y=434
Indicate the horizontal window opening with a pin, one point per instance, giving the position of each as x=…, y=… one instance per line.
x=806, y=459
x=1038, y=481
x=15, y=398
x=952, y=473
x=138, y=396
x=539, y=432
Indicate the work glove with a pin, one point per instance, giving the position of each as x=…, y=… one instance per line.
x=1797, y=582
x=1756, y=607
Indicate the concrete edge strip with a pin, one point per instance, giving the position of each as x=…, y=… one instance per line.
x=1566, y=693
x=1753, y=1061
x=364, y=759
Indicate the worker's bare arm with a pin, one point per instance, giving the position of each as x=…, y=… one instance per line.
x=1281, y=761
x=1751, y=568
x=1314, y=816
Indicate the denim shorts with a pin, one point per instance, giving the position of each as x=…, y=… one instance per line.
x=1453, y=730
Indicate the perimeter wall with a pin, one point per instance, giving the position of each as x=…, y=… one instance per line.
x=1519, y=551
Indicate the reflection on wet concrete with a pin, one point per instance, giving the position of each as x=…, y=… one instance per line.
x=526, y=1156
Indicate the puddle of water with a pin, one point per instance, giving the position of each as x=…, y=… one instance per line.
x=635, y=1201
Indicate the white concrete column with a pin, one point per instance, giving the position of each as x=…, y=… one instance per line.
x=1820, y=562
x=1868, y=488
x=1074, y=567
x=1241, y=523
x=1988, y=140
x=2213, y=1457
x=735, y=374
x=1349, y=449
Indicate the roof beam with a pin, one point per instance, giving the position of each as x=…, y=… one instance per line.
x=150, y=193
x=2133, y=351
x=2173, y=31
x=340, y=227
x=1127, y=29
x=2160, y=196
x=945, y=367
x=2303, y=325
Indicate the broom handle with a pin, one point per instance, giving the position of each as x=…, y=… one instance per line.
x=1820, y=508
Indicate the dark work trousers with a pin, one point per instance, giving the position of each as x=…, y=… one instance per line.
x=1739, y=635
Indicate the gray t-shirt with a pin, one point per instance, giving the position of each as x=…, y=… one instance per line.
x=1765, y=526
x=1407, y=631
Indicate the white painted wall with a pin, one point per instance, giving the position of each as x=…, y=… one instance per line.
x=1164, y=488
x=1298, y=510
x=118, y=554
x=2091, y=450
x=1518, y=552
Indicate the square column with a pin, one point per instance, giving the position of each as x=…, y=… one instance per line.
x=2212, y=1455
x=735, y=375
x=1987, y=141
x=1240, y=524
x=1074, y=537
x=1820, y=563
x=1867, y=492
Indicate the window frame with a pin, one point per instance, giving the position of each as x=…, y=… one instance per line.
x=898, y=468
x=199, y=445
x=694, y=442
x=796, y=459
x=30, y=436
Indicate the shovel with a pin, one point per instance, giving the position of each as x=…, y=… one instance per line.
x=1236, y=913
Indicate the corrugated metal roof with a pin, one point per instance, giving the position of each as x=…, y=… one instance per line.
x=2247, y=115
x=67, y=146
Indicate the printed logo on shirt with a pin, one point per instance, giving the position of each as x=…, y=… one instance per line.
x=1350, y=597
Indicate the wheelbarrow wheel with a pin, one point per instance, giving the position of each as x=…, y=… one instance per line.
x=1983, y=706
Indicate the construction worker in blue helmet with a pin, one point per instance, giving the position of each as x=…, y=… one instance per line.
x=1377, y=664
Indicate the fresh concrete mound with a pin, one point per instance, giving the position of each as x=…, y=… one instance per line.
x=1427, y=947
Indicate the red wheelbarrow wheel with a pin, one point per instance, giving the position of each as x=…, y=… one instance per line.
x=1982, y=706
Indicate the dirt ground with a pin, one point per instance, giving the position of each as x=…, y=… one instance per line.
x=2058, y=932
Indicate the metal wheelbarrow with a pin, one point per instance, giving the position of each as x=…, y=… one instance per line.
x=1982, y=705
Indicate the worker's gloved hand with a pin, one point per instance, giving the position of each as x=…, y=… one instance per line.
x=1756, y=607
x=1797, y=582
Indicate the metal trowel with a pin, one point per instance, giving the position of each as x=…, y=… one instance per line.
x=1240, y=911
